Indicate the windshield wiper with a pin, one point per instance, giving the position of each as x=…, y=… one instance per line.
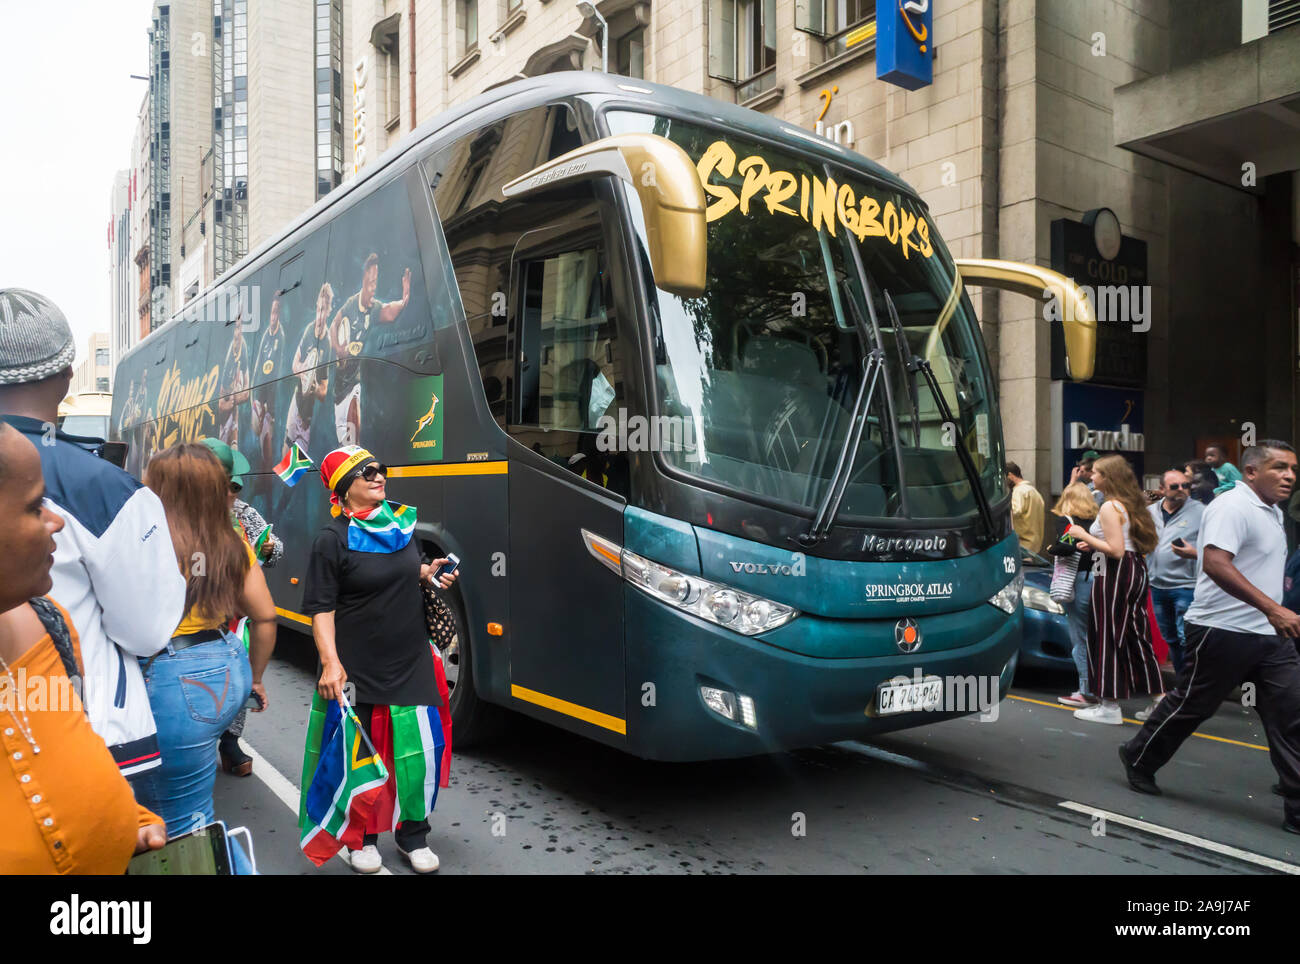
x=821, y=527
x=914, y=363
x=906, y=359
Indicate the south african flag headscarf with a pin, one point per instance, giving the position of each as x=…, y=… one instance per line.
x=385, y=528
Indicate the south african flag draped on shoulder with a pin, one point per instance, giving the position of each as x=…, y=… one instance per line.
x=385, y=528
x=354, y=784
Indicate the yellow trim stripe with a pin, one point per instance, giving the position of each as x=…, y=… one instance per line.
x=296, y=617
x=569, y=709
x=455, y=468
x=1203, y=736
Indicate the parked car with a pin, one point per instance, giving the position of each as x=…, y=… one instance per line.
x=1045, y=642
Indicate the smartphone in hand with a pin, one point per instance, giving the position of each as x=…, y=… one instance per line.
x=448, y=567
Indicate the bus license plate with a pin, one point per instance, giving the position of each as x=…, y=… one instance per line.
x=908, y=695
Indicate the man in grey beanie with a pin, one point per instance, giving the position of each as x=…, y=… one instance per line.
x=115, y=548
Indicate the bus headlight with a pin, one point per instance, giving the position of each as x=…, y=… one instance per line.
x=1008, y=596
x=723, y=605
x=1035, y=598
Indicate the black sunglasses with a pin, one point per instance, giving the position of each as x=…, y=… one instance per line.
x=374, y=469
x=1180, y=485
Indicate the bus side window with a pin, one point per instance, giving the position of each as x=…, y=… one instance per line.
x=568, y=369
x=482, y=229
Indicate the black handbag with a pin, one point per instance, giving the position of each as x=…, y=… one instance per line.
x=438, y=619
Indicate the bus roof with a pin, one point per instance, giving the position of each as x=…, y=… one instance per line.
x=505, y=99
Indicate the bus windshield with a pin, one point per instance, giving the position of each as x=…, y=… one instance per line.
x=765, y=366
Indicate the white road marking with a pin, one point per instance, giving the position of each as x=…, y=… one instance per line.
x=1211, y=845
x=279, y=784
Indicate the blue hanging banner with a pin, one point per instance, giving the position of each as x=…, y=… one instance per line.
x=904, y=45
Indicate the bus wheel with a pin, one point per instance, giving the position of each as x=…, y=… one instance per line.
x=472, y=720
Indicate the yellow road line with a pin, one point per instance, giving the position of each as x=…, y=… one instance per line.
x=569, y=709
x=1203, y=736
x=455, y=468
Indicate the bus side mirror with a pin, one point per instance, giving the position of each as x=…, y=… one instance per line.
x=1078, y=318
x=668, y=186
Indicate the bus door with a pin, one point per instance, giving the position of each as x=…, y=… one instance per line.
x=566, y=611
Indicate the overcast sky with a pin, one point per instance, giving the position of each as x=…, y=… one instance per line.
x=70, y=112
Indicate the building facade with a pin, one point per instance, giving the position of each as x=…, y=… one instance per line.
x=233, y=132
x=94, y=373
x=1049, y=133
x=142, y=213
x=122, y=276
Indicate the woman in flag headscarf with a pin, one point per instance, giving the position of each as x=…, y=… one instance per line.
x=363, y=593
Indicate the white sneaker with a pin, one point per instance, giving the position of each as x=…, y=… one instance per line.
x=1145, y=715
x=366, y=860
x=1101, y=713
x=422, y=861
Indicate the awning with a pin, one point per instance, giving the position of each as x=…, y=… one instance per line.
x=1216, y=115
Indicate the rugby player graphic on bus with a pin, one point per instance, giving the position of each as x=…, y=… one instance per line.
x=234, y=386
x=312, y=378
x=350, y=333
x=268, y=366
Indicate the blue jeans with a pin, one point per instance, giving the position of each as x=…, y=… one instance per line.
x=195, y=693
x=1170, y=605
x=1078, y=613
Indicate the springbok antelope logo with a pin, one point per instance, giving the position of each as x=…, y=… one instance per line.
x=427, y=418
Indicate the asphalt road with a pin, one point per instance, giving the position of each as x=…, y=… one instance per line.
x=1033, y=792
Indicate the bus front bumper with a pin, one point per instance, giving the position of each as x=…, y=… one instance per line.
x=798, y=700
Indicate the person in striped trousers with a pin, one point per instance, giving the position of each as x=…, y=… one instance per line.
x=1121, y=660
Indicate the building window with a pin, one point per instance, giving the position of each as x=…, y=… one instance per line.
x=101, y=384
x=833, y=21
x=229, y=133
x=755, y=37
x=742, y=43
x=630, y=51
x=101, y=357
x=467, y=25
x=394, y=85
x=328, y=62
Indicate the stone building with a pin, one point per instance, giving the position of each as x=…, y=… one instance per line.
x=1105, y=138
x=238, y=93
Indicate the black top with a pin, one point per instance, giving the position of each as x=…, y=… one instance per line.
x=379, y=627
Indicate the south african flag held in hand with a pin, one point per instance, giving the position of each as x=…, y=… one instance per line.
x=293, y=465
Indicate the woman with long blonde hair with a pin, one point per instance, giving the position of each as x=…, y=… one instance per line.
x=1076, y=504
x=1121, y=660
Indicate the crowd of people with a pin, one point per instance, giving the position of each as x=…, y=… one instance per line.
x=1203, y=567
x=140, y=704
x=114, y=714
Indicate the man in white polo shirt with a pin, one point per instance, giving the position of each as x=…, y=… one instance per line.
x=1237, y=629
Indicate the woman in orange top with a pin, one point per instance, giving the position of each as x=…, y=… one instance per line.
x=64, y=806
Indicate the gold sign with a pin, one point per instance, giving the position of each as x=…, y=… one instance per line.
x=820, y=202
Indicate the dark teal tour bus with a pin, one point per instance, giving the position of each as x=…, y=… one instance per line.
x=697, y=396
